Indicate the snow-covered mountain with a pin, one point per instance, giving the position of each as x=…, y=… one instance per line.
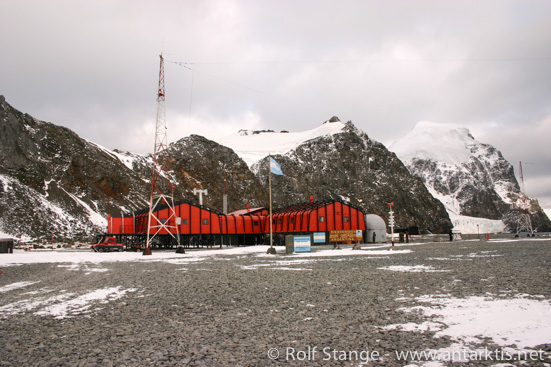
x=53, y=182
x=473, y=180
x=336, y=160
x=252, y=145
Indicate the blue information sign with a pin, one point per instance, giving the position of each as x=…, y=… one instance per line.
x=319, y=237
x=302, y=243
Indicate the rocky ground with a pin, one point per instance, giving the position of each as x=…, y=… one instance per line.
x=250, y=310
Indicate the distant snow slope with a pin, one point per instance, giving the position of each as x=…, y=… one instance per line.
x=473, y=180
x=252, y=147
x=446, y=143
x=466, y=224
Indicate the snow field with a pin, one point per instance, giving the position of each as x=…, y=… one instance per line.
x=253, y=147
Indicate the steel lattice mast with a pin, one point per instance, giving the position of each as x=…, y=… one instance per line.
x=162, y=189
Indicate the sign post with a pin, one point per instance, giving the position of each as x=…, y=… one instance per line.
x=345, y=236
x=391, y=222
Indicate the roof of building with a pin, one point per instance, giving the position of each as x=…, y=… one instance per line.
x=247, y=211
x=373, y=221
x=310, y=206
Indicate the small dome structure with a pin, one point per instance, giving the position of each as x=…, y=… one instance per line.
x=373, y=221
x=375, y=228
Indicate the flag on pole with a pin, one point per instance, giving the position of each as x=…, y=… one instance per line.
x=275, y=168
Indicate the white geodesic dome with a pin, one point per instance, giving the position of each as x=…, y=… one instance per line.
x=375, y=228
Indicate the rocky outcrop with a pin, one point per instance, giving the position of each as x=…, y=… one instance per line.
x=352, y=167
x=201, y=163
x=53, y=181
x=471, y=178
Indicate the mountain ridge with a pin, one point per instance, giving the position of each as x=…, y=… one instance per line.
x=68, y=182
x=51, y=165
x=472, y=179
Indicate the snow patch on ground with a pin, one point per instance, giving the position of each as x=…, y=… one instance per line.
x=413, y=269
x=65, y=304
x=82, y=304
x=87, y=268
x=83, y=259
x=520, y=321
x=516, y=324
x=343, y=252
x=13, y=286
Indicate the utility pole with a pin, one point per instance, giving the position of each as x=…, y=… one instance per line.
x=162, y=189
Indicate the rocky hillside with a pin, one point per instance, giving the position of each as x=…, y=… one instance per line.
x=54, y=182
x=201, y=163
x=472, y=179
x=348, y=165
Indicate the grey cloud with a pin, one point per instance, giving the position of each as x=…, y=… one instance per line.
x=385, y=65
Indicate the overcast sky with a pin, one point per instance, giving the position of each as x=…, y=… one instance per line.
x=93, y=66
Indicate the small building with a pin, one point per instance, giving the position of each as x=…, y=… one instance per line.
x=6, y=245
x=375, y=228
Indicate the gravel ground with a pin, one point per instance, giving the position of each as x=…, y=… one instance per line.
x=232, y=310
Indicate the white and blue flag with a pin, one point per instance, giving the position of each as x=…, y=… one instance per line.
x=274, y=167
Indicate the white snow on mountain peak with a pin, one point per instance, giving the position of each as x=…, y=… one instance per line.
x=448, y=143
x=458, y=167
x=252, y=146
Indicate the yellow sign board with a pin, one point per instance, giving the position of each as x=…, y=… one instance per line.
x=350, y=235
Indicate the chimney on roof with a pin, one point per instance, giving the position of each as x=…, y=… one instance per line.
x=311, y=199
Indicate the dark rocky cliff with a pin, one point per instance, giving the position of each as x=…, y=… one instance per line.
x=53, y=181
x=201, y=163
x=352, y=167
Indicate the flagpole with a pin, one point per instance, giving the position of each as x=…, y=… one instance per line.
x=270, y=190
x=271, y=250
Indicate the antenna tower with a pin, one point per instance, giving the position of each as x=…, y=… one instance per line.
x=524, y=222
x=225, y=195
x=162, y=189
